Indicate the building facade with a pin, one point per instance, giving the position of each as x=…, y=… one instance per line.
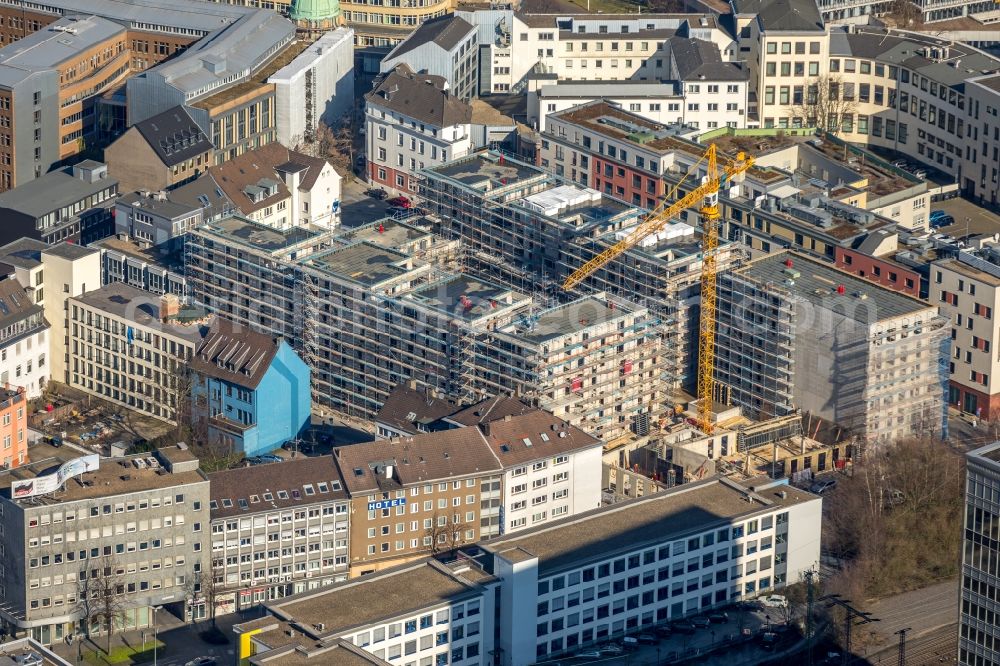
x=132, y=349
x=444, y=47
x=966, y=290
x=251, y=390
x=24, y=341
x=979, y=637
x=277, y=530
x=139, y=523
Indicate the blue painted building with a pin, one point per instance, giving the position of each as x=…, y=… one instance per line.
x=252, y=389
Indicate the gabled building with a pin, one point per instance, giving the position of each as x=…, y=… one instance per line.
x=412, y=121
x=251, y=390
x=445, y=47
x=24, y=340
x=281, y=188
x=159, y=152
x=715, y=92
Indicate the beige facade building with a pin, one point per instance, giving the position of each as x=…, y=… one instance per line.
x=131, y=348
x=966, y=289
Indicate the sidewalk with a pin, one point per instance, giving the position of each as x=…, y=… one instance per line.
x=181, y=641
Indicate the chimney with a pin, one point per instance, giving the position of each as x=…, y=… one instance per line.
x=486, y=428
x=170, y=306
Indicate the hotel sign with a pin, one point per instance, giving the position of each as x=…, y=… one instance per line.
x=386, y=504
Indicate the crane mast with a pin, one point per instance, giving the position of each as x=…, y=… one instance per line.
x=708, y=193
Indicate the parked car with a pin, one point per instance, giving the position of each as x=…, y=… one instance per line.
x=768, y=640
x=663, y=632
x=647, y=639
x=377, y=193
x=271, y=458
x=773, y=601
x=29, y=659
x=402, y=202
x=720, y=617
x=202, y=661
x=611, y=649
x=823, y=485
x=684, y=627
x=943, y=221
x=590, y=654
x=701, y=622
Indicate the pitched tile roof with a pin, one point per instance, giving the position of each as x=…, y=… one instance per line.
x=174, y=136
x=234, y=354
x=408, y=407
x=489, y=409
x=15, y=305
x=258, y=168
x=292, y=483
x=424, y=458
x=516, y=440
x=419, y=96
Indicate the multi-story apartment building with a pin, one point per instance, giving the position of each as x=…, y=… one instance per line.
x=564, y=586
x=24, y=341
x=277, y=530
x=418, y=495
x=797, y=333
x=13, y=426
x=317, y=86
x=594, y=362
x=150, y=218
x=660, y=102
x=48, y=80
x=132, y=348
x=980, y=168
x=412, y=121
x=69, y=204
x=139, y=265
x=966, y=290
x=444, y=47
x=979, y=634
x=139, y=523
x=251, y=390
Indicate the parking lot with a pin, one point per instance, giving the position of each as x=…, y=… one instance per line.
x=736, y=641
x=970, y=219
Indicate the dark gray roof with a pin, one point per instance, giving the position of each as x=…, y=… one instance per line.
x=445, y=31
x=204, y=193
x=783, y=15
x=697, y=59
x=23, y=253
x=234, y=354
x=419, y=96
x=14, y=303
x=166, y=207
x=52, y=191
x=70, y=251
x=255, y=483
x=407, y=406
x=174, y=136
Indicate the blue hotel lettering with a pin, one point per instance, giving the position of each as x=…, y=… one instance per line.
x=386, y=504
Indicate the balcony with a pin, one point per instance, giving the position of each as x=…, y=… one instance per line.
x=225, y=424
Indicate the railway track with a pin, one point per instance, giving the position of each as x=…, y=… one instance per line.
x=935, y=648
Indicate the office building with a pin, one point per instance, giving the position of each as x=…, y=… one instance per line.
x=558, y=588
x=69, y=204
x=251, y=390
x=140, y=265
x=797, y=333
x=277, y=530
x=138, y=521
x=24, y=341
x=132, y=348
x=153, y=220
x=979, y=634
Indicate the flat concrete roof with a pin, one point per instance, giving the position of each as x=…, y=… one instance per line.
x=486, y=171
x=817, y=282
x=601, y=533
x=467, y=297
x=143, y=308
x=258, y=236
x=566, y=319
x=364, y=263
x=61, y=40
x=380, y=596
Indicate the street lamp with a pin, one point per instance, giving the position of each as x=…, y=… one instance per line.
x=155, y=609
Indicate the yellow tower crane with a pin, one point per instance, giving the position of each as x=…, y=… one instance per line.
x=708, y=192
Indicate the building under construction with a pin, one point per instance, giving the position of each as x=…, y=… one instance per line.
x=382, y=304
x=798, y=334
x=530, y=229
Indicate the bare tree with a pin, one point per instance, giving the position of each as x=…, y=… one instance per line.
x=101, y=596
x=824, y=103
x=446, y=535
x=207, y=587
x=336, y=143
x=905, y=14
